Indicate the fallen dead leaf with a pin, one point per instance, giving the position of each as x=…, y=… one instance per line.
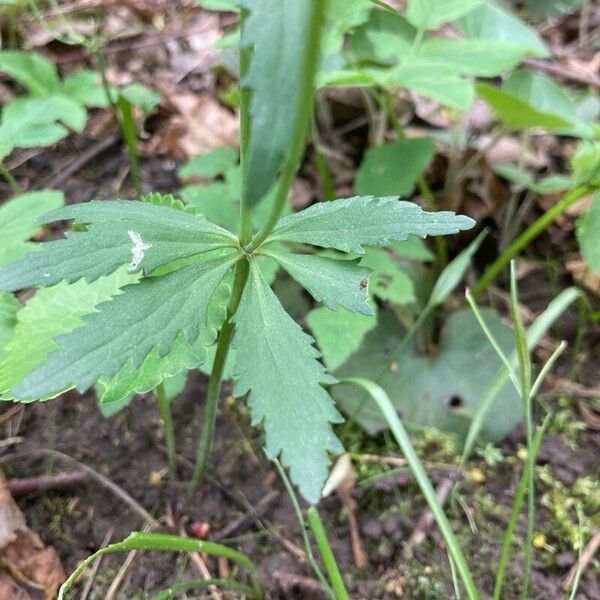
x=27, y=566
x=200, y=124
x=582, y=275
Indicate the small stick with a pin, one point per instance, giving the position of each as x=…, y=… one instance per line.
x=92, y=575
x=43, y=483
x=86, y=156
x=247, y=518
x=586, y=557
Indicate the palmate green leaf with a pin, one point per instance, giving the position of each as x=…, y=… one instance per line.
x=588, y=227
x=155, y=369
x=278, y=31
x=17, y=221
x=439, y=82
x=516, y=113
x=46, y=110
x=385, y=38
x=147, y=315
x=277, y=363
x=142, y=235
x=491, y=21
x=211, y=164
x=388, y=281
x=349, y=224
x=85, y=86
x=392, y=169
x=335, y=283
x=430, y=14
x=486, y=58
x=32, y=71
x=51, y=312
x=341, y=16
x=339, y=334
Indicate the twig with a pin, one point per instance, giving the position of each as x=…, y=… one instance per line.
x=107, y=483
x=586, y=557
x=76, y=165
x=92, y=574
x=43, y=483
x=243, y=520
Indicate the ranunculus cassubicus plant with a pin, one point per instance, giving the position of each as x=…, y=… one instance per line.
x=180, y=282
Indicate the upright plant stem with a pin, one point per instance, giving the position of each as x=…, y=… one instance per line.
x=214, y=383
x=10, y=179
x=164, y=408
x=301, y=521
x=241, y=271
x=331, y=566
x=296, y=149
x=527, y=237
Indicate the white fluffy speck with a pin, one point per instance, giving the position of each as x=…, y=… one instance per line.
x=138, y=247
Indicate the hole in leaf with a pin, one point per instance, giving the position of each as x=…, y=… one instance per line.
x=455, y=401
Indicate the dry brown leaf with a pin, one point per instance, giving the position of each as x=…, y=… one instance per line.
x=200, y=124
x=28, y=567
x=582, y=275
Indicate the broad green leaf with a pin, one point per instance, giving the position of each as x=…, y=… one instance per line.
x=46, y=111
x=435, y=81
x=9, y=307
x=516, y=113
x=339, y=333
x=541, y=93
x=230, y=5
x=51, y=312
x=392, y=169
x=32, y=71
x=277, y=363
x=349, y=224
x=486, y=58
x=278, y=31
x=211, y=164
x=441, y=390
x=140, y=95
x=155, y=369
x=388, y=281
x=585, y=163
x=147, y=316
x=385, y=38
x=341, y=16
x=414, y=248
x=546, y=185
x=430, y=14
x=588, y=227
x=18, y=221
x=491, y=21
x=142, y=235
x=335, y=283
x=85, y=86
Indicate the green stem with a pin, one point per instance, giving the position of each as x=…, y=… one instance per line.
x=527, y=237
x=298, y=511
x=245, y=96
x=213, y=391
x=316, y=525
x=305, y=102
x=226, y=584
x=10, y=179
x=164, y=407
x=400, y=434
x=129, y=132
x=514, y=515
